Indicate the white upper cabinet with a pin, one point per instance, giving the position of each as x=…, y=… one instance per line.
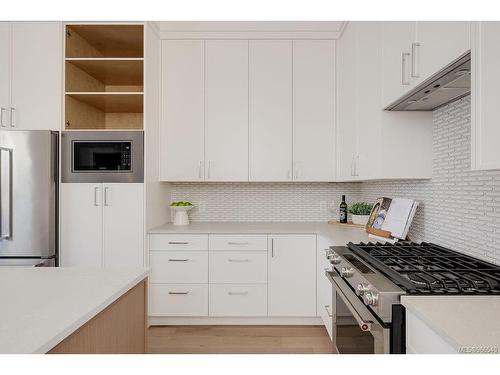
x=398, y=37
x=36, y=87
x=347, y=114
x=373, y=143
x=437, y=45
x=226, y=111
x=485, y=131
x=4, y=73
x=270, y=110
x=182, y=111
x=314, y=145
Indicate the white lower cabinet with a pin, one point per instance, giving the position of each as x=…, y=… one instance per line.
x=178, y=299
x=102, y=225
x=233, y=276
x=238, y=300
x=292, y=275
x=422, y=339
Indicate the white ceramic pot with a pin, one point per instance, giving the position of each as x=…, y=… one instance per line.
x=360, y=219
x=181, y=217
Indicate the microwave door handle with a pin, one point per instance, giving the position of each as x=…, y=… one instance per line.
x=5, y=193
x=364, y=325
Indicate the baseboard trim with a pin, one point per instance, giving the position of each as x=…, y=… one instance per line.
x=164, y=320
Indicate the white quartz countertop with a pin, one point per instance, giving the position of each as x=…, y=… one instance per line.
x=462, y=321
x=336, y=234
x=40, y=307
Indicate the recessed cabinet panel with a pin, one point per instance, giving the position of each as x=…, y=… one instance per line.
x=226, y=111
x=182, y=111
x=270, y=112
x=314, y=151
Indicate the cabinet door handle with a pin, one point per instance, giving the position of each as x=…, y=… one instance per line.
x=238, y=293
x=272, y=247
x=415, y=57
x=177, y=243
x=96, y=196
x=238, y=260
x=356, y=161
x=106, y=201
x=178, y=260
x=328, y=311
x=209, y=175
x=179, y=293
x=3, y=117
x=237, y=243
x=405, y=81
x=12, y=117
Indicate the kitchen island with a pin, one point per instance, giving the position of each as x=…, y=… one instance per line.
x=73, y=310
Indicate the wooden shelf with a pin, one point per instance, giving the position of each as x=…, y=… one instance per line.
x=104, y=74
x=104, y=41
x=115, y=102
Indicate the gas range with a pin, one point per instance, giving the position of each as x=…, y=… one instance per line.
x=380, y=273
x=368, y=280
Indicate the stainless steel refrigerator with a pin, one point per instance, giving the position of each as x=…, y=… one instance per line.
x=29, y=189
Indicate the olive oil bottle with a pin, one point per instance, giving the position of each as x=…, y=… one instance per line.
x=343, y=210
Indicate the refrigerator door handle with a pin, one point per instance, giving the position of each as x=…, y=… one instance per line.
x=5, y=193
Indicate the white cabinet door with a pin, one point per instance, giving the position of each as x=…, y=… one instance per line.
x=439, y=43
x=81, y=225
x=347, y=126
x=226, y=110
x=270, y=110
x=36, y=75
x=485, y=131
x=292, y=275
x=314, y=151
x=4, y=73
x=182, y=110
x=123, y=224
x=398, y=37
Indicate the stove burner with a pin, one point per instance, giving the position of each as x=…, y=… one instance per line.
x=427, y=268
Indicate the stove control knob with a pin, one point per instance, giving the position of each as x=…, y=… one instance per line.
x=370, y=298
x=335, y=260
x=362, y=289
x=346, y=272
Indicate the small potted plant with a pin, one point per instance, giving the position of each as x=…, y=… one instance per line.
x=181, y=208
x=360, y=212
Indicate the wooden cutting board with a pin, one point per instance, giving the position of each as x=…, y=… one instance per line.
x=348, y=224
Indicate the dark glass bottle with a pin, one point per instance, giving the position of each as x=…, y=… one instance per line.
x=343, y=210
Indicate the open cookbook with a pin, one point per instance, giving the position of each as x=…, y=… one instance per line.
x=391, y=218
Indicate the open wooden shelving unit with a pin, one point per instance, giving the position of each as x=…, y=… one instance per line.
x=104, y=77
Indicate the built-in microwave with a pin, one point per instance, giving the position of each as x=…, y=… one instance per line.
x=102, y=156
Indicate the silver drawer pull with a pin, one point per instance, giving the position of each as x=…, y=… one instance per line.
x=179, y=293
x=239, y=260
x=328, y=311
x=178, y=260
x=237, y=293
x=237, y=243
x=177, y=243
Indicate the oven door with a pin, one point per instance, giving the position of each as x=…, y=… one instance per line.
x=355, y=328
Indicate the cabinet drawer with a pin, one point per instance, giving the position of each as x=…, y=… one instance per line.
x=179, y=267
x=235, y=267
x=178, y=242
x=238, y=242
x=178, y=300
x=238, y=300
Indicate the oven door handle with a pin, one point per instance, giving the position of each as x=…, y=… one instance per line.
x=366, y=326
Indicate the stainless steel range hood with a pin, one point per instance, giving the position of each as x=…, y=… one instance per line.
x=451, y=83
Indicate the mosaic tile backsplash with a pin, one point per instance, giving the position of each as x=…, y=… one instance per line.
x=458, y=208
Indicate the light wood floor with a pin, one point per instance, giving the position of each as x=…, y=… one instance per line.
x=238, y=340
